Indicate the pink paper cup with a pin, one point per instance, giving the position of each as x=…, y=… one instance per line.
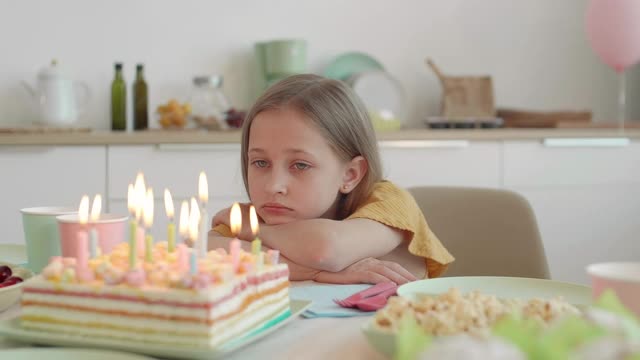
x=621, y=277
x=110, y=228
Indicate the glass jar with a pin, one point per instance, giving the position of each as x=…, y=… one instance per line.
x=209, y=105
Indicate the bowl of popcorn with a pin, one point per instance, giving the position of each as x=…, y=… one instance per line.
x=12, y=278
x=173, y=114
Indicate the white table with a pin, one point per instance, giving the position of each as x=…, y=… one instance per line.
x=319, y=338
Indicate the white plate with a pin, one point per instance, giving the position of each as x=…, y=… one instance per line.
x=12, y=330
x=502, y=287
x=66, y=354
x=11, y=294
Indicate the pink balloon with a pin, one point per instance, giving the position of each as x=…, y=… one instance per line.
x=613, y=29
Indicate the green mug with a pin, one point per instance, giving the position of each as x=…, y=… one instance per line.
x=41, y=234
x=281, y=58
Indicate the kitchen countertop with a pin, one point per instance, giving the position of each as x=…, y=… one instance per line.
x=151, y=137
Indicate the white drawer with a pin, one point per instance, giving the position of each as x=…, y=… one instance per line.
x=177, y=168
x=534, y=163
x=160, y=220
x=452, y=163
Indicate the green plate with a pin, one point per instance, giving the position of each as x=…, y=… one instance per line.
x=66, y=354
x=502, y=287
x=11, y=329
x=348, y=64
x=13, y=253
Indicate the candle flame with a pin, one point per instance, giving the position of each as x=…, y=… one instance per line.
x=194, y=220
x=148, y=209
x=83, y=210
x=235, y=219
x=140, y=190
x=96, y=208
x=168, y=204
x=253, y=220
x=183, y=226
x=203, y=188
x=131, y=200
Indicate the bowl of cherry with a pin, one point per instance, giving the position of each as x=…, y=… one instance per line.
x=12, y=278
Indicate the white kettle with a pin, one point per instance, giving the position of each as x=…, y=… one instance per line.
x=59, y=99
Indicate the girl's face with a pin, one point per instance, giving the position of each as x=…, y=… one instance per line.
x=293, y=174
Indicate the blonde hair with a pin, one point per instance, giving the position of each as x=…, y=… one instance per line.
x=338, y=114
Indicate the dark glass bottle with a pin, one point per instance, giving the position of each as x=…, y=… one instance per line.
x=118, y=101
x=140, y=109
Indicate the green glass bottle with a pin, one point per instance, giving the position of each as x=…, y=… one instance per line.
x=118, y=101
x=140, y=110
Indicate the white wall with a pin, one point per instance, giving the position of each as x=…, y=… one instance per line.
x=535, y=49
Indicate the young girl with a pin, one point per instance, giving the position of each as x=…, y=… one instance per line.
x=311, y=167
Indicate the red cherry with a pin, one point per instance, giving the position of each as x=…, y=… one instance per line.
x=5, y=272
x=11, y=281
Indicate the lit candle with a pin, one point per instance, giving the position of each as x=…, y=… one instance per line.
x=171, y=227
x=193, y=234
x=235, y=220
x=140, y=193
x=148, y=222
x=203, y=196
x=256, y=244
x=93, y=233
x=133, y=231
x=183, y=226
x=82, y=251
x=194, y=222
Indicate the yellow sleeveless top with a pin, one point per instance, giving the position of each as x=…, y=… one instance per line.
x=395, y=207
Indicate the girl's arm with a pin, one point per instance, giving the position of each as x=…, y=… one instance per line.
x=367, y=270
x=331, y=245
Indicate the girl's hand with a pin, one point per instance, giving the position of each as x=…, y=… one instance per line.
x=223, y=217
x=367, y=270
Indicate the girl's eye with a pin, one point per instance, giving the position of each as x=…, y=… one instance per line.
x=301, y=166
x=260, y=163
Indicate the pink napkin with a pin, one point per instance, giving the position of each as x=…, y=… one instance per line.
x=370, y=299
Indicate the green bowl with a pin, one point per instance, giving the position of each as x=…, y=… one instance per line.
x=381, y=340
x=348, y=64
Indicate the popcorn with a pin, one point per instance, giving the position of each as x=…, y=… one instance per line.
x=473, y=313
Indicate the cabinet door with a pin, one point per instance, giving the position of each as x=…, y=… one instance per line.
x=442, y=162
x=581, y=225
x=34, y=176
x=177, y=168
x=569, y=163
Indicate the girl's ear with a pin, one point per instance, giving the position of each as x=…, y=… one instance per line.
x=354, y=171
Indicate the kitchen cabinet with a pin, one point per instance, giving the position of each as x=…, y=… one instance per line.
x=442, y=162
x=176, y=167
x=586, y=198
x=34, y=176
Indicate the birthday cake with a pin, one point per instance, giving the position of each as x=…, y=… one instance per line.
x=168, y=297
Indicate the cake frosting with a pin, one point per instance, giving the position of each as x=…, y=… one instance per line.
x=173, y=299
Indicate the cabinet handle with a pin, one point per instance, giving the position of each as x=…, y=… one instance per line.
x=35, y=149
x=586, y=142
x=198, y=147
x=416, y=144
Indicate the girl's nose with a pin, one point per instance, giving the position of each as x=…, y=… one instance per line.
x=277, y=183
